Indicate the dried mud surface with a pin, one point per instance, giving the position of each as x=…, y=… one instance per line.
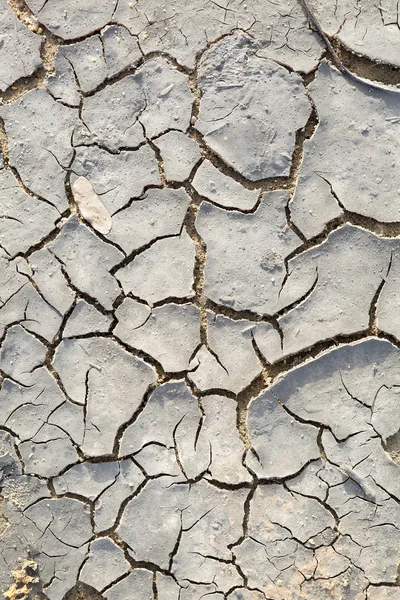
x=199, y=292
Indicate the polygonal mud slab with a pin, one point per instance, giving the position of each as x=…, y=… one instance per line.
x=39, y=131
x=75, y=20
x=350, y=162
x=19, y=48
x=260, y=106
x=245, y=267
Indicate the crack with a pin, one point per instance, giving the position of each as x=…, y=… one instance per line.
x=374, y=303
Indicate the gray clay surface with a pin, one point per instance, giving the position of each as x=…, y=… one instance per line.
x=199, y=299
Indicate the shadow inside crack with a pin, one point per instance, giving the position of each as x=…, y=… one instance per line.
x=82, y=591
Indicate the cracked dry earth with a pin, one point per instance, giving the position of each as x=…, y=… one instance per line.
x=200, y=284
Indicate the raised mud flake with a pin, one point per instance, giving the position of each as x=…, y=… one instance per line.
x=171, y=420
x=160, y=334
x=178, y=28
x=71, y=19
x=154, y=525
x=370, y=470
x=111, y=175
x=284, y=34
x=132, y=314
x=155, y=460
x=84, y=319
x=245, y=267
x=361, y=481
x=351, y=158
x=165, y=270
x=165, y=409
x=385, y=416
x=167, y=587
x=221, y=189
x=310, y=482
x=12, y=276
x=70, y=418
x=179, y=153
x=330, y=563
x=19, y=49
x=108, y=503
x=106, y=563
x=260, y=106
x=39, y=131
x=280, y=446
x=29, y=308
x=87, y=479
x=24, y=219
x=156, y=98
x=121, y=49
x=108, y=381
x=159, y=213
x=87, y=260
x=230, y=361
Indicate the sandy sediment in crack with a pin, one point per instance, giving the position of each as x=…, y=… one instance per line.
x=301, y=136
x=392, y=447
x=3, y=142
x=3, y=520
x=243, y=400
x=200, y=260
x=365, y=67
x=378, y=75
x=48, y=51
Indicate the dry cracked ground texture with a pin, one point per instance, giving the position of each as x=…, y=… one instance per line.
x=200, y=283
